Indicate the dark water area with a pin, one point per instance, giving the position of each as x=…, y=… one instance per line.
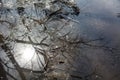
x=99, y=18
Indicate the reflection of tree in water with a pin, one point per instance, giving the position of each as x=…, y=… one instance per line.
x=47, y=26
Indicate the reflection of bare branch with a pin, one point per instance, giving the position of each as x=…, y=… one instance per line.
x=111, y=49
x=38, y=21
x=76, y=76
x=4, y=21
x=44, y=54
x=2, y=72
x=11, y=57
x=30, y=70
x=11, y=76
x=47, y=18
x=80, y=41
x=40, y=52
x=43, y=39
x=6, y=64
x=63, y=2
x=28, y=42
x=89, y=43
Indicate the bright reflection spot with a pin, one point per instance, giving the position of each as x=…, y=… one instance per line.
x=72, y=0
x=47, y=6
x=26, y=57
x=28, y=53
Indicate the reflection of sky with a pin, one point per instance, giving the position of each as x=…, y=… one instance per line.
x=99, y=16
x=100, y=6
